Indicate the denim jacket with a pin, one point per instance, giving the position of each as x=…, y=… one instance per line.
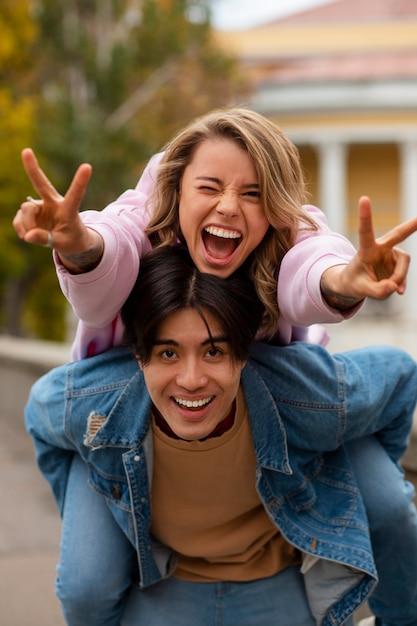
x=303, y=404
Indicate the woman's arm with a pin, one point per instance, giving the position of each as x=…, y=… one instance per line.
x=323, y=279
x=97, y=253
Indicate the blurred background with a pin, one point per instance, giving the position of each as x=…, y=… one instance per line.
x=102, y=81
x=109, y=82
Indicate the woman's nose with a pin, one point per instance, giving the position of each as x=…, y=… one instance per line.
x=228, y=205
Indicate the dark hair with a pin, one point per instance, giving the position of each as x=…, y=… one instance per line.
x=168, y=282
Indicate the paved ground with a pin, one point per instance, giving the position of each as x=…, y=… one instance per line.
x=29, y=535
x=29, y=522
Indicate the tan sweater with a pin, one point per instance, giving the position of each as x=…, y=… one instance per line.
x=206, y=508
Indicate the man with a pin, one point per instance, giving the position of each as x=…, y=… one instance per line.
x=226, y=476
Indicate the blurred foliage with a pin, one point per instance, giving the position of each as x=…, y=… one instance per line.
x=102, y=81
x=17, y=123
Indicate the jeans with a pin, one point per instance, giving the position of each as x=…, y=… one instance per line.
x=279, y=600
x=393, y=522
x=98, y=564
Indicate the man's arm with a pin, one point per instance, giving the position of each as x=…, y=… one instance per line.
x=44, y=417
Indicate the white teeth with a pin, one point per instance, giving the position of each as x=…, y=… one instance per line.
x=193, y=404
x=221, y=232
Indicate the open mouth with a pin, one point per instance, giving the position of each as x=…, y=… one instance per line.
x=193, y=404
x=220, y=243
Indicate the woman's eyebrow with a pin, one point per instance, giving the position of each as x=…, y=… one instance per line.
x=211, y=179
x=218, y=181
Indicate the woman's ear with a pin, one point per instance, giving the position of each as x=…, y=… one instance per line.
x=139, y=361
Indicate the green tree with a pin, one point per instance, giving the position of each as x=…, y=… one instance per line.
x=113, y=80
x=17, y=123
x=119, y=78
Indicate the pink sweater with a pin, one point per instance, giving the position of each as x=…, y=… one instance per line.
x=97, y=296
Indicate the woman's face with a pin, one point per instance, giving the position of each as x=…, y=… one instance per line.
x=220, y=210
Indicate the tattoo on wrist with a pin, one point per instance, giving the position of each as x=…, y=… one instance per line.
x=338, y=300
x=84, y=261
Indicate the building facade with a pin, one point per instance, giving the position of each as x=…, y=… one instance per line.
x=341, y=80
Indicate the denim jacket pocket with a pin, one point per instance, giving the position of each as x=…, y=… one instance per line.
x=113, y=487
x=328, y=499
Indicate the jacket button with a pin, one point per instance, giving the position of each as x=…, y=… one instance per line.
x=115, y=492
x=136, y=457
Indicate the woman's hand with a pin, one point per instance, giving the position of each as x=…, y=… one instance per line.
x=54, y=220
x=377, y=270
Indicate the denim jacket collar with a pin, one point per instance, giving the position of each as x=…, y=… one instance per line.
x=268, y=430
x=116, y=428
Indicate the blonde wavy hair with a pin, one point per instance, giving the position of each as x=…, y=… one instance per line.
x=281, y=185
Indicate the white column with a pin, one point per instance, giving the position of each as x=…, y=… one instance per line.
x=408, y=155
x=332, y=183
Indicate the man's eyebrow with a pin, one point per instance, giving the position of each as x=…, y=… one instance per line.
x=216, y=339
x=161, y=341
x=165, y=342
x=218, y=181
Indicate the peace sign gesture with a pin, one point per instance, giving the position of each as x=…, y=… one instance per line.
x=53, y=220
x=377, y=270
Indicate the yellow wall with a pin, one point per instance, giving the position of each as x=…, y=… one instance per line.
x=308, y=158
x=281, y=40
x=373, y=170
x=358, y=119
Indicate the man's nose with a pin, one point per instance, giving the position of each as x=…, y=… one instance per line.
x=191, y=376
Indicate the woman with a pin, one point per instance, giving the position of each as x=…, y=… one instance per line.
x=231, y=186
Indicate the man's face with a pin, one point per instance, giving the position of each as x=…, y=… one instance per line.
x=191, y=379
x=220, y=208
